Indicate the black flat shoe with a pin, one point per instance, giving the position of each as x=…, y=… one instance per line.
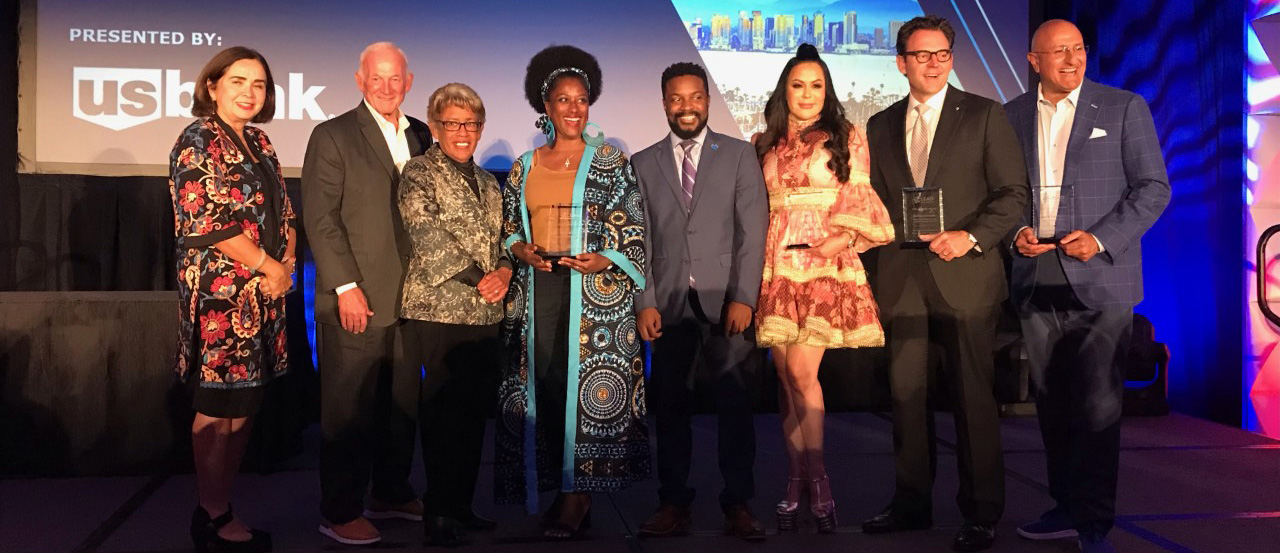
x=890, y=521
x=445, y=532
x=974, y=537
x=205, y=538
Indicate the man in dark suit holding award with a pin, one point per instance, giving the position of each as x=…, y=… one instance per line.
x=349, y=179
x=947, y=289
x=1098, y=183
x=707, y=213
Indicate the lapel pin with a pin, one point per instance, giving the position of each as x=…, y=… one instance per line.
x=715, y=146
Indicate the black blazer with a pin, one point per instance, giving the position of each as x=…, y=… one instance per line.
x=349, y=191
x=976, y=160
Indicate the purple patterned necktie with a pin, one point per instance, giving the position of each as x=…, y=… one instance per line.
x=688, y=171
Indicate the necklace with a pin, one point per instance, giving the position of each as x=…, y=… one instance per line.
x=566, y=161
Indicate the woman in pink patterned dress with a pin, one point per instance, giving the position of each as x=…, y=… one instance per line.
x=815, y=296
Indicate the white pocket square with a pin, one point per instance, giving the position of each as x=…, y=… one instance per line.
x=1098, y=132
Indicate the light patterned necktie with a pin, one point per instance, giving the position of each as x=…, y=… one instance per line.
x=920, y=146
x=688, y=171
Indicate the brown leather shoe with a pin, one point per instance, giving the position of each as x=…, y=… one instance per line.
x=357, y=532
x=740, y=523
x=669, y=521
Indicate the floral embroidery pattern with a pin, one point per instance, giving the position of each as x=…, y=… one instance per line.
x=230, y=335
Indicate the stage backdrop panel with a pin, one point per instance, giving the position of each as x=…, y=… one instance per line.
x=109, y=84
x=1262, y=196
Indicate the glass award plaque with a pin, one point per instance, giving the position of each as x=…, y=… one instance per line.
x=921, y=214
x=558, y=231
x=1051, y=213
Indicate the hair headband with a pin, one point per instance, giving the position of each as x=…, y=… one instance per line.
x=546, y=83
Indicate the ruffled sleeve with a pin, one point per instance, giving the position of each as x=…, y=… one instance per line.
x=857, y=207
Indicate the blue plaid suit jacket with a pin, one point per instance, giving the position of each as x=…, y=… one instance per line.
x=1120, y=187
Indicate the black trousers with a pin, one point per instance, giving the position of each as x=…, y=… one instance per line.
x=551, y=297
x=733, y=364
x=1077, y=360
x=919, y=317
x=459, y=368
x=362, y=440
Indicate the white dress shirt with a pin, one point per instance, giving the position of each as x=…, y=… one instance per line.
x=1053, y=131
x=931, y=117
x=394, y=134
x=397, y=142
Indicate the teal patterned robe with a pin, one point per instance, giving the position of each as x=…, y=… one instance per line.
x=606, y=436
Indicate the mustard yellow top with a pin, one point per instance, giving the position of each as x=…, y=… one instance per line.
x=548, y=194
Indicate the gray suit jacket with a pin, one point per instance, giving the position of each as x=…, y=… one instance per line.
x=719, y=239
x=350, y=214
x=1116, y=172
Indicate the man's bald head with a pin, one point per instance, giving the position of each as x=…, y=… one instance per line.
x=1049, y=28
x=1058, y=56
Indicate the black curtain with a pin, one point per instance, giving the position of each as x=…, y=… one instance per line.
x=8, y=143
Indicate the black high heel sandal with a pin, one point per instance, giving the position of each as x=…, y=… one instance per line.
x=788, y=512
x=552, y=513
x=205, y=538
x=555, y=530
x=824, y=514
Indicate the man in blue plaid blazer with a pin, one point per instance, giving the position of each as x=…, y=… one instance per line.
x=1098, y=183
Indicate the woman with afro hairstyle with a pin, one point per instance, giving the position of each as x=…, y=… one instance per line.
x=572, y=395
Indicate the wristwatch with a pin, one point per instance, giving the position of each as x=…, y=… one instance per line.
x=976, y=246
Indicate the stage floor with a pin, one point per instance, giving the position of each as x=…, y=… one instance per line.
x=1186, y=485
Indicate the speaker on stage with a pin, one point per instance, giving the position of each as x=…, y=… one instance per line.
x=1146, y=389
x=1146, y=385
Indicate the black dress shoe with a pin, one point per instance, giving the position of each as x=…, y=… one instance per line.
x=974, y=537
x=444, y=532
x=889, y=521
x=476, y=523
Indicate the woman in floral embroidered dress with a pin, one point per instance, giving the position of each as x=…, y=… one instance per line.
x=815, y=296
x=236, y=241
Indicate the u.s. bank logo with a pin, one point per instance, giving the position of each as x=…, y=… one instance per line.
x=117, y=98
x=120, y=98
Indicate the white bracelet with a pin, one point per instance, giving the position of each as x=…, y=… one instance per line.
x=261, y=259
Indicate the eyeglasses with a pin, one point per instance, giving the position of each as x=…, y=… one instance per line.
x=473, y=126
x=1064, y=51
x=922, y=56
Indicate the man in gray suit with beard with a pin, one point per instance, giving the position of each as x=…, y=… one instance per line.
x=707, y=213
x=349, y=179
